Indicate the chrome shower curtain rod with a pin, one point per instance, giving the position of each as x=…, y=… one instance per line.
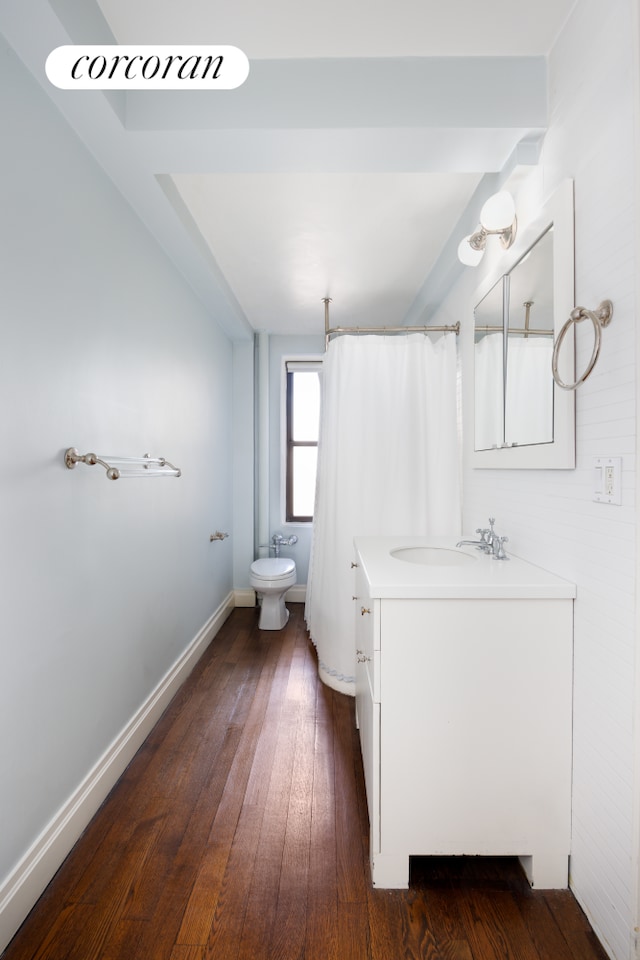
x=337, y=331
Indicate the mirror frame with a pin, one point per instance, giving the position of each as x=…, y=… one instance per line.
x=560, y=453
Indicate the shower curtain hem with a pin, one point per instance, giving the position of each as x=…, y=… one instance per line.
x=339, y=682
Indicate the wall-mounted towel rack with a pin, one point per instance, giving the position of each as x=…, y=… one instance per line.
x=126, y=468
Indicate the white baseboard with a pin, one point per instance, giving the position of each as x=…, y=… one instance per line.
x=23, y=886
x=297, y=594
x=245, y=597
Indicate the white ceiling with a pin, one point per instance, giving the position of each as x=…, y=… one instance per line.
x=352, y=178
x=346, y=28
x=284, y=240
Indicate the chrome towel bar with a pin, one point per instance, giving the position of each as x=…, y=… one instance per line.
x=127, y=468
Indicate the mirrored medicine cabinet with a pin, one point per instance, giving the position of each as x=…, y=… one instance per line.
x=522, y=420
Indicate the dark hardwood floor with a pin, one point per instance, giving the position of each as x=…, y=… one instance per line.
x=239, y=831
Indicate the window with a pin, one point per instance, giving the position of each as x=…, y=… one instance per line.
x=302, y=427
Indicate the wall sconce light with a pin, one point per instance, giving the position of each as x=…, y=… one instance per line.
x=497, y=218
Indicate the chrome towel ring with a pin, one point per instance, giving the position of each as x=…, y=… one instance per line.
x=600, y=318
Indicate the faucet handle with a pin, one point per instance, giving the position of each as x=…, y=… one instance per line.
x=498, y=548
x=491, y=534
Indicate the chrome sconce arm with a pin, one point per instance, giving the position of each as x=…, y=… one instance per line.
x=478, y=240
x=497, y=219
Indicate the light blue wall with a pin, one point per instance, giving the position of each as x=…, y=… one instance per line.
x=243, y=461
x=104, y=347
x=281, y=348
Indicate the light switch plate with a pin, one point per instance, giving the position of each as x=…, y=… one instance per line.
x=607, y=480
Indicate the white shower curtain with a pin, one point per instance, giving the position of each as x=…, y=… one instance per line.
x=529, y=397
x=488, y=361
x=388, y=464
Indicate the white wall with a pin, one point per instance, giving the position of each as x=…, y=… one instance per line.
x=104, y=584
x=550, y=516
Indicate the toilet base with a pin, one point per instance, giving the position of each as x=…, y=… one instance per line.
x=273, y=612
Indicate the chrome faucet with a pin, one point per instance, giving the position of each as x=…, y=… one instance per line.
x=480, y=544
x=489, y=542
x=490, y=535
x=485, y=543
x=277, y=541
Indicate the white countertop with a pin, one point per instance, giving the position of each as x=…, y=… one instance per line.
x=481, y=578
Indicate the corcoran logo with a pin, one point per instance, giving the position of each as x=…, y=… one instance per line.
x=130, y=67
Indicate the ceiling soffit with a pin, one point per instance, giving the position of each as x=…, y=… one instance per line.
x=363, y=115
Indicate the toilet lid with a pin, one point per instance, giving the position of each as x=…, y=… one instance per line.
x=273, y=568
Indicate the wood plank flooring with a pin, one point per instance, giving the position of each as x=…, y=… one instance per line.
x=239, y=832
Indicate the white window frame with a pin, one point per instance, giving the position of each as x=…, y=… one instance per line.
x=312, y=362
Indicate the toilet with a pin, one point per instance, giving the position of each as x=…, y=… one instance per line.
x=271, y=578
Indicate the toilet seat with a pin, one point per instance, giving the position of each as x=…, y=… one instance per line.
x=270, y=568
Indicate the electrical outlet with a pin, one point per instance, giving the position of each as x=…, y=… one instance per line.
x=607, y=480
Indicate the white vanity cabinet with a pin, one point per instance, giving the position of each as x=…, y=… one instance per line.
x=464, y=707
x=368, y=699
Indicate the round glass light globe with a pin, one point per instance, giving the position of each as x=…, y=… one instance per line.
x=467, y=255
x=498, y=212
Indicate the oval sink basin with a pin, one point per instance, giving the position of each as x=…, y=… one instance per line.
x=433, y=556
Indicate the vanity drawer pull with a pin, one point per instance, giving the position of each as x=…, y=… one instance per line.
x=364, y=610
